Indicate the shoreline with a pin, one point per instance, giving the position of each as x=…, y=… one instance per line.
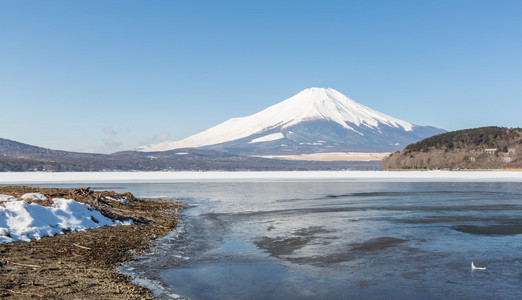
x=85, y=264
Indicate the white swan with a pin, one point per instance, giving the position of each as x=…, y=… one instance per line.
x=476, y=268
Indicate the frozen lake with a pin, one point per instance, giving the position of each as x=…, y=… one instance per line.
x=319, y=235
x=167, y=177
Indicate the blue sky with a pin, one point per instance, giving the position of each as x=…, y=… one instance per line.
x=112, y=75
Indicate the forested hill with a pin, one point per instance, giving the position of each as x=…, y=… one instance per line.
x=478, y=148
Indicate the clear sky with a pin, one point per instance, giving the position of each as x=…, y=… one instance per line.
x=112, y=75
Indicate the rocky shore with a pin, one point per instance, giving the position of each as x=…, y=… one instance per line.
x=83, y=264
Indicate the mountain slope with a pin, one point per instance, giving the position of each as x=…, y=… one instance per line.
x=478, y=148
x=15, y=156
x=314, y=120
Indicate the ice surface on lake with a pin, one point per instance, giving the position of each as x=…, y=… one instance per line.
x=381, y=176
x=340, y=239
x=327, y=235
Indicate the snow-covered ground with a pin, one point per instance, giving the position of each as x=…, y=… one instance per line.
x=21, y=221
x=267, y=138
x=332, y=156
x=114, y=177
x=33, y=196
x=7, y=198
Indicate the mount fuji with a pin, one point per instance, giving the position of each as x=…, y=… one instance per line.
x=316, y=120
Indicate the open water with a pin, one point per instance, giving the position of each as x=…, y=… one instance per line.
x=336, y=239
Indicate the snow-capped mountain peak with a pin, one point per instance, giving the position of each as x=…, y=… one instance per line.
x=329, y=104
x=313, y=105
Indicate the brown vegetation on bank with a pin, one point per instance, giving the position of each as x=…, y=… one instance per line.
x=471, y=149
x=83, y=265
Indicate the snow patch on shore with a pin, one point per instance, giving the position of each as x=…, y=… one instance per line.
x=115, y=198
x=7, y=198
x=34, y=196
x=21, y=221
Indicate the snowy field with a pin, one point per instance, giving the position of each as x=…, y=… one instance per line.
x=333, y=156
x=385, y=176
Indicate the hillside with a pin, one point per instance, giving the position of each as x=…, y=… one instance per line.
x=479, y=148
x=16, y=156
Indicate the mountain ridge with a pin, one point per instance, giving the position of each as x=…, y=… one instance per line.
x=17, y=157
